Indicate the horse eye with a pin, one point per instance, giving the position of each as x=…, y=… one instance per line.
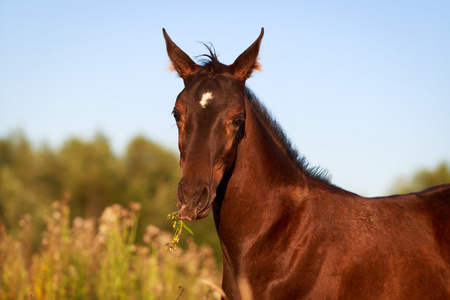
x=238, y=120
x=176, y=115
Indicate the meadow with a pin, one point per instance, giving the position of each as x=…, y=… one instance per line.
x=107, y=237
x=99, y=259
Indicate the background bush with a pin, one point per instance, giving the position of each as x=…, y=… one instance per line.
x=32, y=178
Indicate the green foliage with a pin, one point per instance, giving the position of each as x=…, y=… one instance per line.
x=23, y=189
x=79, y=260
x=93, y=175
x=423, y=179
x=32, y=178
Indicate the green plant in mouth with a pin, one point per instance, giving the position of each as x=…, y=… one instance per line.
x=178, y=226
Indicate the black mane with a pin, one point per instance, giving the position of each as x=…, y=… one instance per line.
x=300, y=161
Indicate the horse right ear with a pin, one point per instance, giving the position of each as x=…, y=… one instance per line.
x=244, y=65
x=181, y=62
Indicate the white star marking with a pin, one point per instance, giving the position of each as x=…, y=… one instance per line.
x=205, y=98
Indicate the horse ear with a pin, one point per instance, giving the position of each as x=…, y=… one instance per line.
x=181, y=62
x=244, y=65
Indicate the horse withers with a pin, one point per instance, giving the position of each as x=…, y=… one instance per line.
x=286, y=232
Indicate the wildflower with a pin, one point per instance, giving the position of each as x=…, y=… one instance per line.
x=150, y=232
x=135, y=206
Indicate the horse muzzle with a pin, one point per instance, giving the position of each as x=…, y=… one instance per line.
x=194, y=200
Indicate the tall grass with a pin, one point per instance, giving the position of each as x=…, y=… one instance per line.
x=85, y=259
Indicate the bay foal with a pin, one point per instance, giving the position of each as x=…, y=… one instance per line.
x=285, y=231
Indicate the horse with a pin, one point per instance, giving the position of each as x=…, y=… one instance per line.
x=285, y=230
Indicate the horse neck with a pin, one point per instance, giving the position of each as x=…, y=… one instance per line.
x=263, y=183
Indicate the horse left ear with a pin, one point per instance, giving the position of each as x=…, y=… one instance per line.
x=181, y=62
x=244, y=65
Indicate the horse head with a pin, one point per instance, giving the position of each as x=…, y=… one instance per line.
x=210, y=116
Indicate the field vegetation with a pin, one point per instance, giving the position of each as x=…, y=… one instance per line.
x=85, y=260
x=82, y=222
x=106, y=238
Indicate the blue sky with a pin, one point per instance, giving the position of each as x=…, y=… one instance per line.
x=362, y=89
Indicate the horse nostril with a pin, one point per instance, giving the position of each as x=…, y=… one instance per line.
x=180, y=193
x=203, y=197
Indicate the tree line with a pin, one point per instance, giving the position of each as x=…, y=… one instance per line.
x=423, y=179
x=31, y=179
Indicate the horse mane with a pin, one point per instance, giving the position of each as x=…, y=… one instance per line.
x=212, y=64
x=211, y=61
x=277, y=132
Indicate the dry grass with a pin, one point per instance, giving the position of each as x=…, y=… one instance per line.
x=85, y=259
